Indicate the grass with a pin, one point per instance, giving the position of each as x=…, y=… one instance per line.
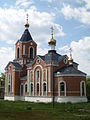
x=19, y=110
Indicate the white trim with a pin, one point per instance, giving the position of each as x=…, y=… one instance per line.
x=23, y=49
x=57, y=75
x=38, y=82
x=49, y=79
x=46, y=81
x=19, y=51
x=81, y=88
x=42, y=82
x=28, y=75
x=13, y=81
x=64, y=87
x=35, y=68
x=33, y=82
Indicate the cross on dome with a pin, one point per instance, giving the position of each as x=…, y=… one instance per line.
x=70, y=57
x=27, y=24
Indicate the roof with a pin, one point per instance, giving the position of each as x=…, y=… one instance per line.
x=23, y=78
x=26, y=36
x=70, y=70
x=51, y=56
x=17, y=65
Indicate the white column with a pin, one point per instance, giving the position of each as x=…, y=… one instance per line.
x=13, y=81
x=49, y=80
x=36, y=83
x=6, y=83
x=33, y=82
x=39, y=82
x=28, y=81
x=23, y=89
x=46, y=81
x=42, y=82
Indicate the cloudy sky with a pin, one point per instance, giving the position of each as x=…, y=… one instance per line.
x=70, y=19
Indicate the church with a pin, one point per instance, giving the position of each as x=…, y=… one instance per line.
x=36, y=78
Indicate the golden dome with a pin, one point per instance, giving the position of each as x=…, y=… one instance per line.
x=52, y=41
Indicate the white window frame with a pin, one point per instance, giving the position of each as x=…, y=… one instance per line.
x=29, y=51
x=23, y=49
x=81, y=88
x=64, y=88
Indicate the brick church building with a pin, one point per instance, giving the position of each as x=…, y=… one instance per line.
x=36, y=78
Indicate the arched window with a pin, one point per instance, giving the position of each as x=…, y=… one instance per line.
x=44, y=87
x=25, y=88
x=9, y=89
x=82, y=88
x=38, y=74
x=21, y=90
x=31, y=87
x=18, y=52
x=37, y=87
x=62, y=89
x=31, y=53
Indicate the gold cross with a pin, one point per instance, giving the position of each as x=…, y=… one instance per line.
x=27, y=18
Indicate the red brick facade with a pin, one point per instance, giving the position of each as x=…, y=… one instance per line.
x=33, y=75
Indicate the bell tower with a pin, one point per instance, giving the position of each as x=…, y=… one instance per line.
x=26, y=48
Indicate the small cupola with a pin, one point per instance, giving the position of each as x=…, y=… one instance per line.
x=70, y=57
x=52, y=41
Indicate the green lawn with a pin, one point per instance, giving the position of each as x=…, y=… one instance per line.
x=39, y=111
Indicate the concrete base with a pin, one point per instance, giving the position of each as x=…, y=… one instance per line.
x=39, y=99
x=11, y=98
x=72, y=99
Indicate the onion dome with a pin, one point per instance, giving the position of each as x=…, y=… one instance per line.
x=52, y=41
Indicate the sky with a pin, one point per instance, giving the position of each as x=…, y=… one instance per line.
x=70, y=19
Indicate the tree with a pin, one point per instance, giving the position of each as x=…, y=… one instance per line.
x=88, y=87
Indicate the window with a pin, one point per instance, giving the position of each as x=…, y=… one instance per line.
x=31, y=87
x=38, y=74
x=37, y=87
x=44, y=87
x=21, y=90
x=31, y=53
x=1, y=83
x=18, y=52
x=8, y=89
x=82, y=89
x=26, y=88
x=62, y=89
x=23, y=49
x=24, y=62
